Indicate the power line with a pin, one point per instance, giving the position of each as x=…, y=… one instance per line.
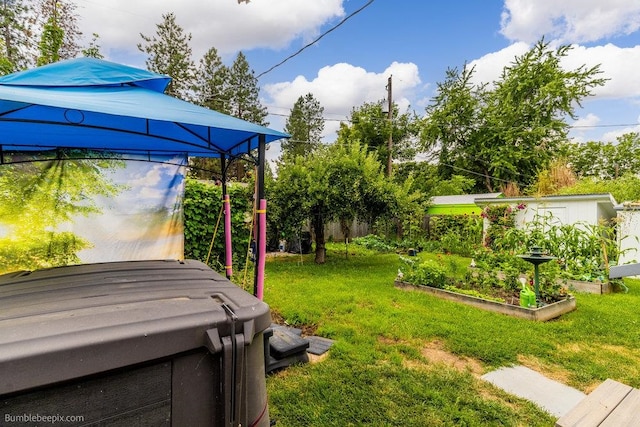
x=604, y=126
x=316, y=40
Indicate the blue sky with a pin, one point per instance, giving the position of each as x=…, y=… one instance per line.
x=415, y=41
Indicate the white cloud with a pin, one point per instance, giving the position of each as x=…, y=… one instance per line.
x=570, y=21
x=615, y=63
x=223, y=24
x=488, y=68
x=340, y=87
x=614, y=134
x=582, y=128
x=589, y=120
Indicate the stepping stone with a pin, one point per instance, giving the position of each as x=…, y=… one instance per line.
x=318, y=345
x=552, y=396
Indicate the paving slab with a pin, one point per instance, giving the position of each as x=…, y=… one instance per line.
x=318, y=345
x=552, y=396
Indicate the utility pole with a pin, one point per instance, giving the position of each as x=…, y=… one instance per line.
x=390, y=117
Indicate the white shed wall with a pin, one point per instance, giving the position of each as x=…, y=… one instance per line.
x=629, y=235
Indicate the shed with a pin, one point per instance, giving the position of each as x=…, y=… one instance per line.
x=462, y=204
x=628, y=215
x=564, y=209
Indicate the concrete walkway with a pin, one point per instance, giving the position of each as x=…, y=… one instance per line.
x=552, y=396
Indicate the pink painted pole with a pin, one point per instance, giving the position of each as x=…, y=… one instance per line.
x=262, y=247
x=227, y=237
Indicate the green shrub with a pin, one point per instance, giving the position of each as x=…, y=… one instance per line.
x=456, y=234
x=426, y=273
x=373, y=242
x=202, y=204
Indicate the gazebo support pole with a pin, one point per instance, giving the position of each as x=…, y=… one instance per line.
x=228, y=250
x=261, y=223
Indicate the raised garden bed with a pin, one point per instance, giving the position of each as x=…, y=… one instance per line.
x=547, y=312
x=589, y=287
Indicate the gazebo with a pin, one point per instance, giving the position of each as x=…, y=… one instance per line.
x=96, y=105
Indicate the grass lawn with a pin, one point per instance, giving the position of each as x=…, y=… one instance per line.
x=407, y=358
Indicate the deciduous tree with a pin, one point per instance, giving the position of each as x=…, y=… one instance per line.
x=14, y=28
x=507, y=133
x=337, y=182
x=56, y=21
x=370, y=125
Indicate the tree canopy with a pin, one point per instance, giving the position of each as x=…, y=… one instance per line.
x=336, y=182
x=305, y=125
x=504, y=134
x=169, y=53
x=370, y=125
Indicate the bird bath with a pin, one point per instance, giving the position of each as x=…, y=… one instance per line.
x=536, y=257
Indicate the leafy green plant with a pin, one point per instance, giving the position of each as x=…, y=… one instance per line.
x=373, y=242
x=584, y=251
x=202, y=211
x=472, y=293
x=427, y=273
x=456, y=234
x=501, y=219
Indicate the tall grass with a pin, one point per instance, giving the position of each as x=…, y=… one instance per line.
x=378, y=373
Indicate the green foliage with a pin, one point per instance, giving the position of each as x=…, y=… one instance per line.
x=211, y=88
x=516, y=126
x=63, y=16
x=405, y=219
x=202, y=211
x=501, y=219
x=472, y=293
x=15, y=35
x=425, y=179
x=604, y=161
x=452, y=125
x=50, y=43
x=426, y=273
x=305, y=125
x=371, y=241
x=168, y=52
x=337, y=182
x=624, y=188
x=584, y=251
x=244, y=94
x=93, y=50
x=457, y=234
x=371, y=127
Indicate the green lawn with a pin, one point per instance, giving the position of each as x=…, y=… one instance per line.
x=407, y=358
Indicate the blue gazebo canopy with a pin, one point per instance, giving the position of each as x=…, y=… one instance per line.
x=92, y=104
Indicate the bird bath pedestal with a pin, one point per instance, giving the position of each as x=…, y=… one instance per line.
x=536, y=257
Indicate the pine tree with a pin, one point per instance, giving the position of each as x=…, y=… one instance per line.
x=211, y=89
x=305, y=125
x=244, y=101
x=170, y=54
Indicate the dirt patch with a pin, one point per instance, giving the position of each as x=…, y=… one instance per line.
x=388, y=340
x=434, y=352
x=307, y=330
